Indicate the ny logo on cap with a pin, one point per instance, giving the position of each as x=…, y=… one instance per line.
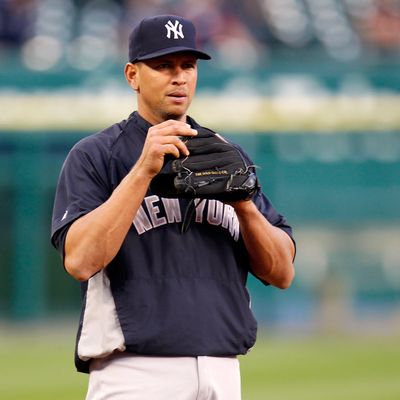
x=176, y=29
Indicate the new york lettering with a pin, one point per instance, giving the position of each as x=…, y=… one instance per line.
x=158, y=211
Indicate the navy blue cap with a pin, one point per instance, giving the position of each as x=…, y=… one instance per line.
x=161, y=35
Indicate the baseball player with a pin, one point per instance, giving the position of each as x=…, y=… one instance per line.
x=165, y=312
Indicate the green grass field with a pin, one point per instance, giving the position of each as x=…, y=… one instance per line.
x=35, y=366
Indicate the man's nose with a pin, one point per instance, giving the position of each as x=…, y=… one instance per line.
x=179, y=75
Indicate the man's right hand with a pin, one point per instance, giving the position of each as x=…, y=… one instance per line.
x=162, y=139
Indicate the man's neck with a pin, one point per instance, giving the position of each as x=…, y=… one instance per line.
x=155, y=120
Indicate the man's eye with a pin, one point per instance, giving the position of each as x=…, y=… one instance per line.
x=163, y=66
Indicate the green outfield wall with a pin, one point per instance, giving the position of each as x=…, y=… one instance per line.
x=341, y=192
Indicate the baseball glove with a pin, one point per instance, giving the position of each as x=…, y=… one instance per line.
x=214, y=169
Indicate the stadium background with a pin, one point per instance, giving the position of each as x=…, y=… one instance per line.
x=309, y=87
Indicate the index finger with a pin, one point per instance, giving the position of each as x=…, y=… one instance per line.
x=174, y=128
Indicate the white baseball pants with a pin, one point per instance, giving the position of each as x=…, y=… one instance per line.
x=125, y=376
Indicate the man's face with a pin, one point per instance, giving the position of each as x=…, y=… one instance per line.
x=166, y=86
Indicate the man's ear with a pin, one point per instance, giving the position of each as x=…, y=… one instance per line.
x=132, y=75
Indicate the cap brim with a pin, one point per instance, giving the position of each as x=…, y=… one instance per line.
x=171, y=50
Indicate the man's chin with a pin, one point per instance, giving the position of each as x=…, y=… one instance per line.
x=176, y=115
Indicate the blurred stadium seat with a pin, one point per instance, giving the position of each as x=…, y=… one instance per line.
x=85, y=34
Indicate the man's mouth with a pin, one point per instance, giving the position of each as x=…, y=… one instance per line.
x=177, y=95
